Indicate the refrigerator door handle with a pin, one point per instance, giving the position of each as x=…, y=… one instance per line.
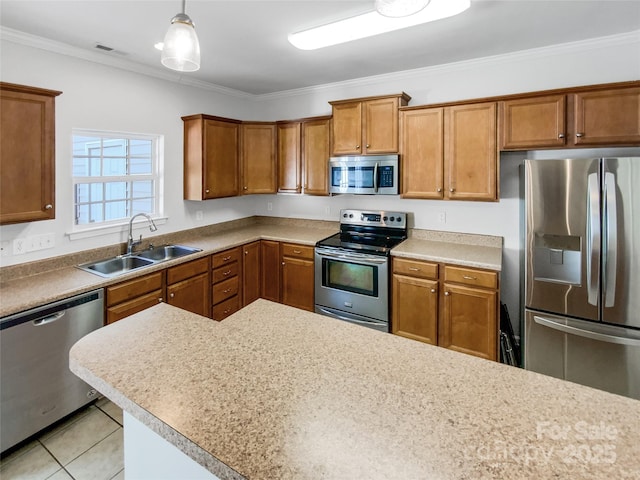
x=603, y=337
x=593, y=237
x=610, y=249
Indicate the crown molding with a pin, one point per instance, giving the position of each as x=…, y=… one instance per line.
x=15, y=36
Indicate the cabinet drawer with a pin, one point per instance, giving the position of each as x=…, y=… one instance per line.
x=187, y=270
x=224, y=309
x=134, y=288
x=228, y=256
x=467, y=276
x=224, y=290
x=133, y=306
x=225, y=272
x=415, y=268
x=298, y=251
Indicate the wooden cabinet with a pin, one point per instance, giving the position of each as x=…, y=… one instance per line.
x=450, y=152
x=258, y=153
x=607, y=117
x=27, y=153
x=211, y=149
x=415, y=300
x=303, y=156
x=251, y=272
x=271, y=263
x=133, y=296
x=469, y=321
x=227, y=281
x=298, y=276
x=586, y=116
x=533, y=122
x=188, y=286
x=449, y=306
x=367, y=126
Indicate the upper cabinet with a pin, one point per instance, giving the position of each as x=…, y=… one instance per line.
x=303, y=156
x=586, y=116
x=211, y=149
x=367, y=126
x=258, y=155
x=450, y=152
x=27, y=153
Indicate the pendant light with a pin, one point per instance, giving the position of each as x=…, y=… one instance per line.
x=181, y=49
x=400, y=8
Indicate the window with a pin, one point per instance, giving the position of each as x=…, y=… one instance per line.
x=115, y=176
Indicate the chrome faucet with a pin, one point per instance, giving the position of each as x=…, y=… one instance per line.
x=130, y=242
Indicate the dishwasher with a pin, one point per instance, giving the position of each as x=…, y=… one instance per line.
x=36, y=386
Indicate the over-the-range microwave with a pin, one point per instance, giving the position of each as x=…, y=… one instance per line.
x=369, y=175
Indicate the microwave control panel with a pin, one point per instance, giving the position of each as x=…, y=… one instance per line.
x=386, y=176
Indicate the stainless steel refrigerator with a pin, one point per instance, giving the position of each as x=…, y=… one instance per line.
x=582, y=271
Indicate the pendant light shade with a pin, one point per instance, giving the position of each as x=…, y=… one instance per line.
x=181, y=49
x=400, y=8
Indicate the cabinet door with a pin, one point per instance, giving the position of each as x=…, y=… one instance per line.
x=27, y=154
x=298, y=283
x=289, y=163
x=191, y=295
x=259, y=158
x=469, y=321
x=607, y=117
x=316, y=145
x=270, y=259
x=533, y=122
x=347, y=128
x=471, y=156
x=415, y=308
x=251, y=273
x=381, y=126
x=221, y=141
x=135, y=305
x=422, y=152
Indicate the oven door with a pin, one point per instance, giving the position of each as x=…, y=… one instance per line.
x=352, y=285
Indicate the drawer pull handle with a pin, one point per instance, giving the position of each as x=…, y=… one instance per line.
x=414, y=269
x=226, y=290
x=228, y=272
x=226, y=259
x=297, y=252
x=469, y=277
x=159, y=299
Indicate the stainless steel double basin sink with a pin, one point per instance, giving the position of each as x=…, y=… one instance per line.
x=112, y=267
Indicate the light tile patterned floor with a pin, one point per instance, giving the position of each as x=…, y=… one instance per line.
x=86, y=446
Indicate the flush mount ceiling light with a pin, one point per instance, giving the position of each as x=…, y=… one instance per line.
x=373, y=23
x=181, y=50
x=400, y=8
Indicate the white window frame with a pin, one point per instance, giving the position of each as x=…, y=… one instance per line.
x=157, y=176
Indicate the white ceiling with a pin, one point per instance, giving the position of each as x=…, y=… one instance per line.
x=244, y=43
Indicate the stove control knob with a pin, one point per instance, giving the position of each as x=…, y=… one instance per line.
x=392, y=218
x=344, y=215
x=351, y=215
x=385, y=218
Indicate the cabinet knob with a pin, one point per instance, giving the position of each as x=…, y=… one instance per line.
x=446, y=294
x=282, y=263
x=159, y=299
x=246, y=252
x=48, y=206
x=452, y=190
x=357, y=146
x=368, y=145
x=579, y=134
x=433, y=290
x=438, y=190
x=171, y=295
x=561, y=135
x=206, y=191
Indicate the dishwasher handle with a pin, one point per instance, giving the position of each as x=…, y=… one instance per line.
x=49, y=318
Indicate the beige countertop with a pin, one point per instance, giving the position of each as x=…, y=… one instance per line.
x=274, y=392
x=58, y=281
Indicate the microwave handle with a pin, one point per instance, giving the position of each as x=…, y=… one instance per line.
x=375, y=178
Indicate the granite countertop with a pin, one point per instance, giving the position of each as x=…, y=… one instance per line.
x=58, y=281
x=277, y=392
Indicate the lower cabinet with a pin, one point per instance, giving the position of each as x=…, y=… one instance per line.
x=298, y=276
x=270, y=262
x=188, y=286
x=444, y=305
x=133, y=296
x=251, y=278
x=226, y=280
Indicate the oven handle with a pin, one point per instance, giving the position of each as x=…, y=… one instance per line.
x=349, y=319
x=375, y=178
x=351, y=256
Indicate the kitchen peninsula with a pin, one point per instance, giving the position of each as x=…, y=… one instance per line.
x=274, y=392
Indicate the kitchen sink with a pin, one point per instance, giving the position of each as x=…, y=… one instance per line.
x=167, y=252
x=112, y=267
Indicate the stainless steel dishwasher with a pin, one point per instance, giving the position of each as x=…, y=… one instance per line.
x=36, y=386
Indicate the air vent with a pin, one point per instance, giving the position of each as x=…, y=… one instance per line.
x=110, y=50
x=104, y=47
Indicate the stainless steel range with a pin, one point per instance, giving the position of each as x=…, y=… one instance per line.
x=352, y=267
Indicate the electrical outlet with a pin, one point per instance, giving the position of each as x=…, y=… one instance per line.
x=19, y=246
x=269, y=206
x=5, y=249
x=442, y=217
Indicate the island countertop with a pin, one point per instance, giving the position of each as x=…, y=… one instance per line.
x=274, y=392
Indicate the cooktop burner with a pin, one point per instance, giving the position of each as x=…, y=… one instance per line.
x=368, y=231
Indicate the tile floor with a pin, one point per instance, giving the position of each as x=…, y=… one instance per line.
x=86, y=446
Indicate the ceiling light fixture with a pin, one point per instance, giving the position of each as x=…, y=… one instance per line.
x=400, y=8
x=181, y=50
x=372, y=23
